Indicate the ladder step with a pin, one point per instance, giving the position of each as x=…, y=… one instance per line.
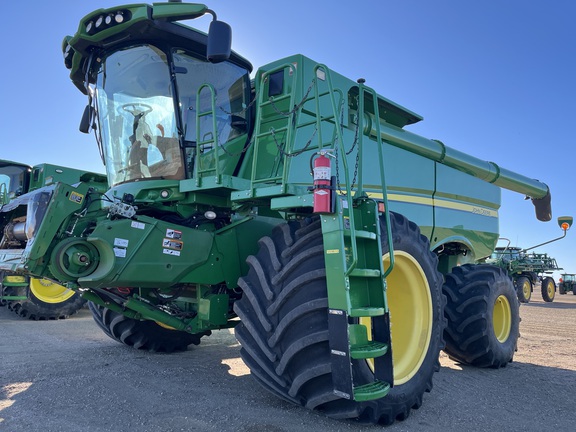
x=371, y=349
x=361, y=234
x=367, y=312
x=364, y=272
x=371, y=391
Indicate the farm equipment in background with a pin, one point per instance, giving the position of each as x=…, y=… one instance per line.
x=528, y=269
x=296, y=201
x=27, y=296
x=567, y=283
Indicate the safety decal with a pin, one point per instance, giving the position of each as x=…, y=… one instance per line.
x=171, y=252
x=172, y=244
x=138, y=225
x=120, y=242
x=173, y=234
x=76, y=197
x=120, y=253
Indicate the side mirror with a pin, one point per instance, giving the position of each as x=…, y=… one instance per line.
x=219, y=42
x=565, y=222
x=86, y=120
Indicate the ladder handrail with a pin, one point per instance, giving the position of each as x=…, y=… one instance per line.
x=199, y=114
x=340, y=139
x=261, y=103
x=363, y=89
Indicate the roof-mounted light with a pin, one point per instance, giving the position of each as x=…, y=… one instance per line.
x=107, y=20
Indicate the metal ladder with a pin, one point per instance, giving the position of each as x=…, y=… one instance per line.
x=359, y=323
x=359, y=319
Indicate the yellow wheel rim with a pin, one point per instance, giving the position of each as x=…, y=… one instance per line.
x=502, y=319
x=411, y=315
x=49, y=292
x=526, y=288
x=550, y=289
x=166, y=326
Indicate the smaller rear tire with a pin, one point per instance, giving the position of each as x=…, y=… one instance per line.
x=548, y=288
x=524, y=289
x=483, y=316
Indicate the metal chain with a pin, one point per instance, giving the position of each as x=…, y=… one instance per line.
x=347, y=153
x=243, y=110
x=297, y=153
x=244, y=150
x=297, y=106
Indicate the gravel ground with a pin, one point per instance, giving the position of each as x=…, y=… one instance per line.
x=69, y=376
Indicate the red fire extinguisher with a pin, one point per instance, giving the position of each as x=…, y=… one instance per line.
x=323, y=190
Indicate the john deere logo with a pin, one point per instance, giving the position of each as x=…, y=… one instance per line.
x=76, y=197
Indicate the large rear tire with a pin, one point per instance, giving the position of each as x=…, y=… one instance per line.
x=483, y=316
x=524, y=289
x=46, y=300
x=143, y=335
x=548, y=288
x=284, y=322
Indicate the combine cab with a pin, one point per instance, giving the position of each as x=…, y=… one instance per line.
x=292, y=198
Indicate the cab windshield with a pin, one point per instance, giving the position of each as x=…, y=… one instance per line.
x=145, y=132
x=13, y=180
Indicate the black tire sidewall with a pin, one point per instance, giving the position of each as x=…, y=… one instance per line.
x=409, y=240
x=544, y=288
x=519, y=285
x=507, y=348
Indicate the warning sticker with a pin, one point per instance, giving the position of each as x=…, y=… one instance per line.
x=121, y=253
x=120, y=242
x=138, y=225
x=76, y=197
x=173, y=234
x=171, y=252
x=172, y=244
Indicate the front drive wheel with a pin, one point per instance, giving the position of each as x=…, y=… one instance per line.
x=483, y=316
x=143, y=335
x=524, y=289
x=548, y=288
x=284, y=324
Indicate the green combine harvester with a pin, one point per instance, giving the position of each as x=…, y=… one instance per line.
x=292, y=205
x=30, y=297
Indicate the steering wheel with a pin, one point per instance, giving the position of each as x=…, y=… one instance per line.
x=136, y=108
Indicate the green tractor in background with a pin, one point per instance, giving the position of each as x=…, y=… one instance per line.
x=291, y=204
x=28, y=296
x=528, y=269
x=567, y=283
